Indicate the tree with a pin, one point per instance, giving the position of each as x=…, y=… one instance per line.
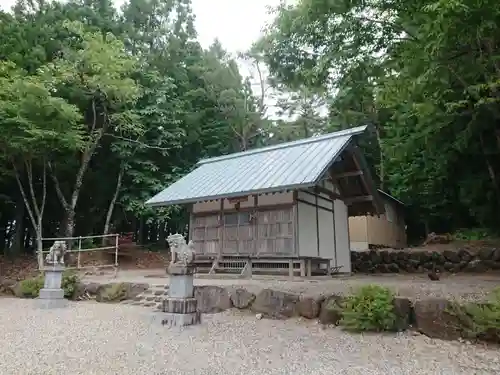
x=423, y=73
x=96, y=77
x=34, y=125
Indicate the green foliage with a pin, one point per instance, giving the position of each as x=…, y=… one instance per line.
x=30, y=288
x=111, y=105
x=371, y=308
x=69, y=283
x=472, y=234
x=425, y=76
x=481, y=320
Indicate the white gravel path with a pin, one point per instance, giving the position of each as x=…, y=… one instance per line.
x=89, y=338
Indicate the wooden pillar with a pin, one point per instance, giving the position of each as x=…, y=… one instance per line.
x=302, y=267
x=221, y=226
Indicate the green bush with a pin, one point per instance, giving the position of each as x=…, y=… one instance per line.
x=69, y=283
x=371, y=308
x=30, y=288
x=473, y=234
x=481, y=320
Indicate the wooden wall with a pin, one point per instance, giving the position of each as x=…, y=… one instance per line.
x=385, y=230
x=323, y=228
x=257, y=225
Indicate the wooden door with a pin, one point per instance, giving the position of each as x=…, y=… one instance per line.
x=206, y=234
x=239, y=233
x=275, y=232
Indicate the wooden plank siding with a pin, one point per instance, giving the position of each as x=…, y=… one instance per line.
x=266, y=230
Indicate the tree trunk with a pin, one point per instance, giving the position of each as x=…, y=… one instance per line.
x=4, y=243
x=35, y=214
x=162, y=234
x=18, y=236
x=39, y=243
x=69, y=207
x=112, y=203
x=490, y=167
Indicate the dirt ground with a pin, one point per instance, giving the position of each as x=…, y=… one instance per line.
x=460, y=287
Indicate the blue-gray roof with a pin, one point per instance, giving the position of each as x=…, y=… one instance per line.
x=286, y=166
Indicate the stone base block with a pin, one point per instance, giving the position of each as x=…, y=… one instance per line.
x=51, y=299
x=51, y=294
x=180, y=305
x=181, y=320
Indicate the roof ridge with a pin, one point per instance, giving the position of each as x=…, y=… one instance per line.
x=340, y=133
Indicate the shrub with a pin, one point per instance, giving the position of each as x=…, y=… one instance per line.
x=69, y=283
x=371, y=308
x=473, y=234
x=30, y=288
x=481, y=320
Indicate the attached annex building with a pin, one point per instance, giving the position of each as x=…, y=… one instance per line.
x=283, y=208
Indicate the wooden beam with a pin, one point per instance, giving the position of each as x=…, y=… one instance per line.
x=331, y=194
x=348, y=174
x=361, y=198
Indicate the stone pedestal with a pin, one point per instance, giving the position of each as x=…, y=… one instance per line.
x=180, y=307
x=52, y=294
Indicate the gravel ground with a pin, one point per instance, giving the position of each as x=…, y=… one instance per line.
x=460, y=287
x=90, y=338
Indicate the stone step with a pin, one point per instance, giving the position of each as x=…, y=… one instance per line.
x=153, y=297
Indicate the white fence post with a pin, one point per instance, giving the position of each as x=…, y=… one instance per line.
x=79, y=251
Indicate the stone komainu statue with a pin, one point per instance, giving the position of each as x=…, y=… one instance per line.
x=56, y=253
x=181, y=252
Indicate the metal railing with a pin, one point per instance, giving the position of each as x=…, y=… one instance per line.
x=79, y=242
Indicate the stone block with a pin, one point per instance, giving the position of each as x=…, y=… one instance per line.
x=331, y=310
x=180, y=269
x=241, y=298
x=51, y=293
x=181, y=320
x=180, y=305
x=276, y=304
x=181, y=286
x=433, y=319
x=212, y=299
x=404, y=313
x=52, y=303
x=53, y=276
x=309, y=307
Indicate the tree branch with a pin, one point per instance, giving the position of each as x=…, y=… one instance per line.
x=29, y=171
x=44, y=187
x=136, y=141
x=59, y=192
x=25, y=199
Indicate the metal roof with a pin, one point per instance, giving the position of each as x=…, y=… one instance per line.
x=286, y=166
x=390, y=197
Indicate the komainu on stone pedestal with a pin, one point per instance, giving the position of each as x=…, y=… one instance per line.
x=52, y=295
x=180, y=307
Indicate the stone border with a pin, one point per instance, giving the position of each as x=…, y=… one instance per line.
x=384, y=261
x=432, y=317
